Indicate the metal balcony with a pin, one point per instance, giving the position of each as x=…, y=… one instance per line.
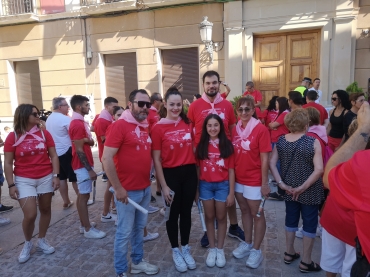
x=15, y=7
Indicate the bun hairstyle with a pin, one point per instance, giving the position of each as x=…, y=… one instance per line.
x=175, y=91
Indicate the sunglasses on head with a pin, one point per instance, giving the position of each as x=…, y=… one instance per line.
x=35, y=114
x=334, y=98
x=141, y=104
x=245, y=109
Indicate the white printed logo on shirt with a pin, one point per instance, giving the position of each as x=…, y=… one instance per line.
x=214, y=163
x=179, y=137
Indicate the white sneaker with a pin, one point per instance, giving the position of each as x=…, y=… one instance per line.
x=211, y=258
x=220, y=258
x=152, y=209
x=25, y=254
x=90, y=202
x=43, y=244
x=114, y=210
x=243, y=250
x=108, y=218
x=189, y=260
x=82, y=228
x=151, y=236
x=299, y=233
x=94, y=234
x=163, y=211
x=255, y=258
x=4, y=221
x=179, y=261
x=144, y=267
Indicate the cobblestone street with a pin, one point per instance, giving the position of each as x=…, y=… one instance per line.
x=77, y=256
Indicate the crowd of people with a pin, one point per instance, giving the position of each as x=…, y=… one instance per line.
x=217, y=154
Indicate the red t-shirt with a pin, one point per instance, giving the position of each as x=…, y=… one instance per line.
x=101, y=125
x=248, y=162
x=77, y=131
x=153, y=118
x=281, y=130
x=94, y=120
x=320, y=108
x=270, y=117
x=31, y=157
x=223, y=95
x=350, y=188
x=133, y=159
x=199, y=110
x=257, y=95
x=175, y=143
x=215, y=169
x=338, y=221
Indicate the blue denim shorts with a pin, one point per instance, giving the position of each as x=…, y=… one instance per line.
x=84, y=187
x=217, y=191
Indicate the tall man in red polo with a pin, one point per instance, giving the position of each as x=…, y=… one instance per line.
x=127, y=160
x=101, y=125
x=212, y=102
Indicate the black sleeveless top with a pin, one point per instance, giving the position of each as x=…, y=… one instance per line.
x=336, y=122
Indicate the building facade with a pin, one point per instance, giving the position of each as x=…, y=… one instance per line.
x=51, y=47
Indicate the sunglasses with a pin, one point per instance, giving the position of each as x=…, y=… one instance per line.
x=246, y=110
x=35, y=114
x=334, y=99
x=141, y=104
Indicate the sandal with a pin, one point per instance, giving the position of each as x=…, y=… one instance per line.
x=294, y=257
x=312, y=267
x=66, y=206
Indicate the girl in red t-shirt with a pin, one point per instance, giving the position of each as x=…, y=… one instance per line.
x=216, y=183
x=175, y=165
x=36, y=174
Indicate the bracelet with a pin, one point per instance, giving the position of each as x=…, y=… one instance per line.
x=281, y=181
x=11, y=185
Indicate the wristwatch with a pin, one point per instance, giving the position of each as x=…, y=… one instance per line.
x=56, y=175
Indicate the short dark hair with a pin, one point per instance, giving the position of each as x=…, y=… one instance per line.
x=197, y=95
x=211, y=73
x=78, y=100
x=109, y=100
x=154, y=97
x=316, y=79
x=250, y=83
x=296, y=97
x=312, y=95
x=133, y=93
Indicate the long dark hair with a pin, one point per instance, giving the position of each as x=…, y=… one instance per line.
x=175, y=91
x=272, y=103
x=21, y=115
x=344, y=98
x=283, y=105
x=225, y=145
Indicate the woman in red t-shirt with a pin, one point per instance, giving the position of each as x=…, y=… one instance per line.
x=36, y=174
x=175, y=165
x=252, y=145
x=216, y=183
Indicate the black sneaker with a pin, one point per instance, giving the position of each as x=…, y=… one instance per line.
x=153, y=200
x=4, y=208
x=238, y=233
x=152, y=178
x=275, y=196
x=104, y=178
x=204, y=241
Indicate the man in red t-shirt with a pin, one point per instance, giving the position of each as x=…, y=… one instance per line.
x=345, y=175
x=257, y=95
x=212, y=102
x=310, y=99
x=127, y=160
x=101, y=125
x=83, y=162
x=227, y=92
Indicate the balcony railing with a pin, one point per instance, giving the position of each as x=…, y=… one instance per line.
x=13, y=7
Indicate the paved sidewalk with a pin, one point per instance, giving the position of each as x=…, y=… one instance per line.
x=78, y=256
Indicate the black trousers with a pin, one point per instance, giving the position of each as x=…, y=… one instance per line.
x=183, y=181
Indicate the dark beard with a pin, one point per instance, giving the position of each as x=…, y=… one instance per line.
x=139, y=116
x=211, y=94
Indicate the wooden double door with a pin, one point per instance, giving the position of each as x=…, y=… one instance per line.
x=282, y=61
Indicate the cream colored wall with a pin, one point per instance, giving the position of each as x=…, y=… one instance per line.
x=335, y=19
x=362, y=66
x=59, y=47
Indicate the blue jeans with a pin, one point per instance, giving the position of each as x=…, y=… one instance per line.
x=280, y=191
x=218, y=191
x=131, y=223
x=309, y=213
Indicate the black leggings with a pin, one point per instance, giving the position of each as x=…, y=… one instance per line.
x=183, y=181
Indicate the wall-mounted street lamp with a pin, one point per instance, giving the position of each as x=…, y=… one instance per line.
x=205, y=29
